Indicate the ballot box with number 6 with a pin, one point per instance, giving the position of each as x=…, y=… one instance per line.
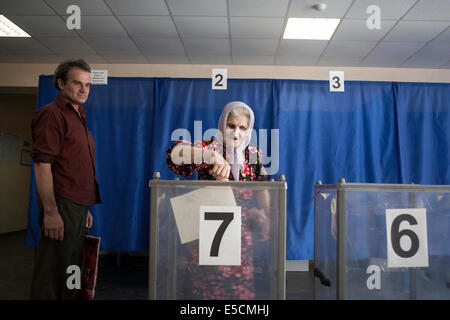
x=217, y=239
x=382, y=241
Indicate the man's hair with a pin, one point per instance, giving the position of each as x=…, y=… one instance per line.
x=64, y=67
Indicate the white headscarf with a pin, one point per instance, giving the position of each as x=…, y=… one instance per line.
x=235, y=157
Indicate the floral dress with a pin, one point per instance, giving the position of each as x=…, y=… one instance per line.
x=224, y=282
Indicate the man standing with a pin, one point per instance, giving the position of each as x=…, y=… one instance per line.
x=64, y=165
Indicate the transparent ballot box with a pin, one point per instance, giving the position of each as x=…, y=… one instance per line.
x=382, y=241
x=213, y=240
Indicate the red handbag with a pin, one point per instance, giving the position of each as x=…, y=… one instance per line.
x=89, y=269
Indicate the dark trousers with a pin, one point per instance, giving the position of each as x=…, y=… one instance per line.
x=54, y=257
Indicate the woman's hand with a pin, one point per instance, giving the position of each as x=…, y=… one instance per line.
x=221, y=168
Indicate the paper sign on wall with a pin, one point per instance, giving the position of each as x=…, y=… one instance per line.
x=337, y=81
x=219, y=79
x=10, y=146
x=99, y=76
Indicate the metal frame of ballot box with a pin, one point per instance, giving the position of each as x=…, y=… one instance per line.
x=340, y=189
x=278, y=252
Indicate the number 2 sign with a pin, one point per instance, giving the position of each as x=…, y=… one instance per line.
x=219, y=79
x=407, y=243
x=220, y=235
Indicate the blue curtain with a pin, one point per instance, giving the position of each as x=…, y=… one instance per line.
x=374, y=132
x=423, y=120
x=330, y=136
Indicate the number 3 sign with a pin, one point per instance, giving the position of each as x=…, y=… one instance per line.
x=407, y=243
x=337, y=81
x=220, y=236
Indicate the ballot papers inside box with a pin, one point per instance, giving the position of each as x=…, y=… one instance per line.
x=201, y=230
x=382, y=241
x=186, y=208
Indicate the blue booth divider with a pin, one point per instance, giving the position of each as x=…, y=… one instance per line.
x=374, y=132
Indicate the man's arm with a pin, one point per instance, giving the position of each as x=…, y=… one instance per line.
x=53, y=223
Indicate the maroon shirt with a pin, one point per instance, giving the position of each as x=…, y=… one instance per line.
x=61, y=138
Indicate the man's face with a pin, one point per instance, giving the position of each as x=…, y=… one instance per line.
x=76, y=88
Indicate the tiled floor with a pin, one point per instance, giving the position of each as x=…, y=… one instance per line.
x=121, y=277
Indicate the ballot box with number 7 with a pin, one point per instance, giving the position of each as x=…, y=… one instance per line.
x=382, y=241
x=214, y=240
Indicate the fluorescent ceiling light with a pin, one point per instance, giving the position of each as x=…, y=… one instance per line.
x=9, y=29
x=309, y=28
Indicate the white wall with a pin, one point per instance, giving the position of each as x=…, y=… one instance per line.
x=16, y=112
x=27, y=74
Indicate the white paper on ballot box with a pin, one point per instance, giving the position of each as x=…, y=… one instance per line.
x=186, y=208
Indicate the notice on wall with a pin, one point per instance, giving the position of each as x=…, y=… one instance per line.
x=99, y=77
x=10, y=147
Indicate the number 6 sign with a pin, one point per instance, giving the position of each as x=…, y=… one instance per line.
x=407, y=243
x=220, y=235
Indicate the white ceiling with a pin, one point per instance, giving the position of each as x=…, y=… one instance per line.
x=413, y=34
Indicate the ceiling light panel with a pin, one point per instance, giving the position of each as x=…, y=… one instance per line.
x=9, y=29
x=310, y=28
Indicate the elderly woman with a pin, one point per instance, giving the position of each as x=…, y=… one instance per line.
x=229, y=155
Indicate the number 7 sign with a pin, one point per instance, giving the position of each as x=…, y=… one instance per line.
x=220, y=235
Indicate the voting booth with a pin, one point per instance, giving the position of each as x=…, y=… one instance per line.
x=217, y=240
x=382, y=241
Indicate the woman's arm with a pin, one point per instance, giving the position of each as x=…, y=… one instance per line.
x=185, y=154
x=184, y=158
x=178, y=158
